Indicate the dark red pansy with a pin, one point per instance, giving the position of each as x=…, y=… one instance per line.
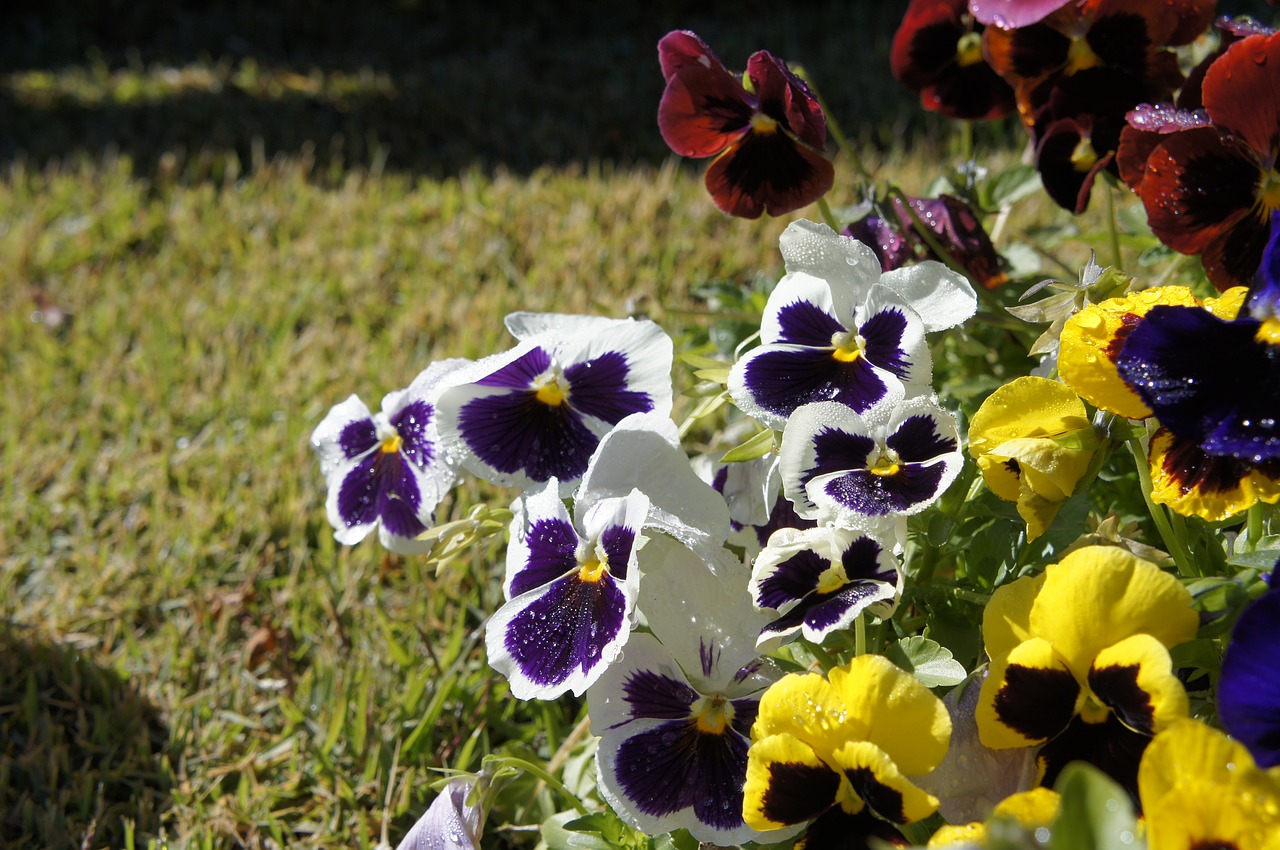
x=937, y=53
x=767, y=140
x=1211, y=189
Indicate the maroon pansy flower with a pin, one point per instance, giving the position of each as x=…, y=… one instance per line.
x=937, y=53
x=767, y=139
x=1210, y=187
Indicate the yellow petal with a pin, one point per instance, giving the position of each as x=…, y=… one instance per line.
x=958, y=837
x=1050, y=469
x=1025, y=407
x=1135, y=678
x=1195, y=484
x=1030, y=809
x=901, y=716
x=787, y=783
x=1227, y=305
x=1036, y=511
x=807, y=707
x=1028, y=697
x=1006, y=622
x=880, y=783
x=1099, y=595
x=1001, y=477
x=1093, y=338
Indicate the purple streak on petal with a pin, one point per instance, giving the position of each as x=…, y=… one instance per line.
x=514, y=431
x=566, y=629
x=803, y=323
x=881, y=495
x=553, y=547
x=519, y=373
x=598, y=387
x=836, y=451
x=358, y=492
x=827, y=609
x=860, y=561
x=782, y=380
x=412, y=423
x=357, y=438
x=792, y=580
x=883, y=334
x=655, y=696
x=617, y=542
x=917, y=440
x=675, y=767
x=399, y=498
x=708, y=656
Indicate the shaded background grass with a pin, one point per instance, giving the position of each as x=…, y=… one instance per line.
x=216, y=221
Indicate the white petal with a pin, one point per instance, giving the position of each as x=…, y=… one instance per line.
x=841, y=260
x=943, y=298
x=803, y=288
x=448, y=823
x=324, y=439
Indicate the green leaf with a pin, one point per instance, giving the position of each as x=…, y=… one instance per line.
x=1096, y=813
x=757, y=446
x=1011, y=186
x=929, y=661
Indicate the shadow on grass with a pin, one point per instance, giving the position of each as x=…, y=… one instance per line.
x=423, y=86
x=83, y=757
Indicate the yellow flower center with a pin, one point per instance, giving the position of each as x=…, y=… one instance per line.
x=886, y=464
x=1269, y=191
x=390, y=445
x=763, y=124
x=713, y=714
x=969, y=49
x=1083, y=156
x=832, y=579
x=1090, y=708
x=1080, y=56
x=593, y=570
x=552, y=390
x=848, y=346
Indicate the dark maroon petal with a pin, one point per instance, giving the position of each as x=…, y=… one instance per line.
x=917, y=440
x=1065, y=180
x=805, y=323
x=1233, y=257
x=768, y=172
x=1109, y=746
x=514, y=431
x=799, y=792
x=412, y=423
x=1036, y=702
x=972, y=93
x=869, y=494
x=357, y=437
x=704, y=108
x=783, y=379
x=1026, y=53
x=565, y=629
x=786, y=99
x=653, y=696
x=891, y=247
x=1242, y=92
x=954, y=222
x=674, y=766
x=553, y=545
x=598, y=387
x=924, y=45
x=1116, y=686
x=880, y=798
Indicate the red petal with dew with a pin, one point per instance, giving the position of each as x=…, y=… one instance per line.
x=1242, y=91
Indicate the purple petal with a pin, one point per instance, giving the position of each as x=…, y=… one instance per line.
x=1249, y=690
x=837, y=451
x=883, y=333
x=866, y=493
x=357, y=438
x=655, y=696
x=553, y=547
x=514, y=431
x=566, y=629
x=917, y=440
x=598, y=387
x=805, y=323
x=617, y=542
x=674, y=767
x=519, y=373
x=413, y=423
x=792, y=580
x=381, y=487
x=782, y=379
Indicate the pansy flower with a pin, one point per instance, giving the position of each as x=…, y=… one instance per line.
x=1249, y=690
x=753, y=491
x=1033, y=441
x=1200, y=789
x=1212, y=188
x=843, y=753
x=818, y=580
x=674, y=714
x=767, y=138
x=836, y=329
x=387, y=470
x=842, y=467
x=1080, y=662
x=539, y=410
x=937, y=53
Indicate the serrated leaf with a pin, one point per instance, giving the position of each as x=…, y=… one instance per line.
x=929, y=661
x=757, y=446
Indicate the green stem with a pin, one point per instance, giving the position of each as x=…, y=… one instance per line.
x=1113, y=228
x=1177, y=548
x=833, y=128
x=966, y=141
x=827, y=215
x=535, y=770
x=1253, y=525
x=860, y=635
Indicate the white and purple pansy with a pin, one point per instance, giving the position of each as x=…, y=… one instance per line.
x=842, y=467
x=538, y=411
x=835, y=329
x=571, y=592
x=386, y=470
x=674, y=714
x=820, y=579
